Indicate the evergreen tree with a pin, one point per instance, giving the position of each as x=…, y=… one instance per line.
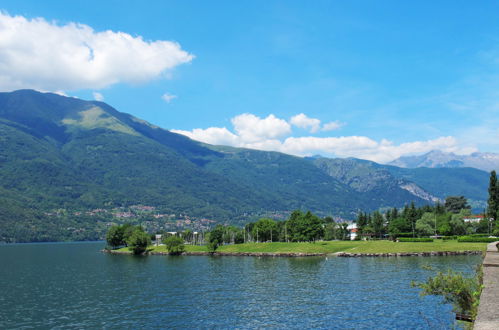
x=377, y=223
x=412, y=217
x=493, y=201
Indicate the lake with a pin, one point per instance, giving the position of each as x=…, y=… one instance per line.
x=73, y=285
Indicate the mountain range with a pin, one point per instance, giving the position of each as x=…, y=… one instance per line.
x=485, y=161
x=67, y=164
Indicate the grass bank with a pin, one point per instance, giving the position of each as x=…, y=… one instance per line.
x=338, y=246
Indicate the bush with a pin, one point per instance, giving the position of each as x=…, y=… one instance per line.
x=174, y=245
x=404, y=235
x=212, y=246
x=470, y=239
x=463, y=293
x=449, y=238
x=138, y=241
x=419, y=240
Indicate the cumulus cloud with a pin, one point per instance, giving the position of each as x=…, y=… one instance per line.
x=273, y=134
x=331, y=126
x=303, y=121
x=313, y=125
x=98, y=96
x=35, y=53
x=168, y=97
x=251, y=128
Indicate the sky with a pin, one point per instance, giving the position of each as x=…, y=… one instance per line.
x=367, y=79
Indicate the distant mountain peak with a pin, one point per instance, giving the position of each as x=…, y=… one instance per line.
x=436, y=159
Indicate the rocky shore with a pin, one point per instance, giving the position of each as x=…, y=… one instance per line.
x=407, y=254
x=338, y=254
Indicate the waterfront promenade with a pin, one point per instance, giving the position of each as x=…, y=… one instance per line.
x=488, y=311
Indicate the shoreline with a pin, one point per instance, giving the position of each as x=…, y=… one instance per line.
x=297, y=254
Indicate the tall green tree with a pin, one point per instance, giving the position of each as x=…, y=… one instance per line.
x=455, y=204
x=493, y=201
x=412, y=217
x=377, y=223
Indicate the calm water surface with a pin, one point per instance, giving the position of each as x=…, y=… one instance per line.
x=72, y=285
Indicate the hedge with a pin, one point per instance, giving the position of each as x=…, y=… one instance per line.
x=420, y=240
x=471, y=239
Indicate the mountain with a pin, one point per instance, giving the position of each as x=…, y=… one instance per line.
x=397, y=184
x=69, y=168
x=485, y=161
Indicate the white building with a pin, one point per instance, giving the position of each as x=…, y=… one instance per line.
x=352, y=228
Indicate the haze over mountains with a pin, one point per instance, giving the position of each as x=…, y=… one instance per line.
x=485, y=161
x=62, y=157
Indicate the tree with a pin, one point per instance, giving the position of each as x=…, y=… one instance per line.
x=361, y=221
x=454, y=204
x=412, y=217
x=265, y=230
x=215, y=238
x=427, y=224
x=377, y=223
x=493, y=201
x=138, y=241
x=174, y=245
x=457, y=223
x=114, y=236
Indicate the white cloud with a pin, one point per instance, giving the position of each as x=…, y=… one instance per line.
x=303, y=121
x=252, y=128
x=273, y=134
x=168, y=97
x=38, y=54
x=212, y=135
x=98, y=96
x=331, y=126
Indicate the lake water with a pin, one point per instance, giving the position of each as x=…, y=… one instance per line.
x=73, y=285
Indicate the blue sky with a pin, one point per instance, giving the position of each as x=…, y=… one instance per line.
x=368, y=79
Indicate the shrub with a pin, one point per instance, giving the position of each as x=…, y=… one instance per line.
x=138, y=241
x=462, y=292
x=174, y=245
x=212, y=246
x=419, y=240
x=470, y=239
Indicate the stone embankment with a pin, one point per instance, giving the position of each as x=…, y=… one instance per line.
x=338, y=254
x=488, y=311
x=407, y=254
x=238, y=254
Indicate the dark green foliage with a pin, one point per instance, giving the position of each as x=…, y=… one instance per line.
x=304, y=227
x=463, y=293
x=464, y=239
x=212, y=246
x=493, y=200
x=265, y=230
x=115, y=236
x=138, y=241
x=174, y=245
x=419, y=240
x=215, y=238
x=454, y=204
x=377, y=223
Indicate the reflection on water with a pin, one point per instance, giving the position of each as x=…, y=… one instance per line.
x=73, y=285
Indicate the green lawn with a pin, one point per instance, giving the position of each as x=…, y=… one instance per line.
x=394, y=247
x=337, y=246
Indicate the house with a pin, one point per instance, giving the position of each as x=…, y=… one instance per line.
x=474, y=218
x=353, y=230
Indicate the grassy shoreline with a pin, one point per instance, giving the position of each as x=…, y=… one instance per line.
x=331, y=247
